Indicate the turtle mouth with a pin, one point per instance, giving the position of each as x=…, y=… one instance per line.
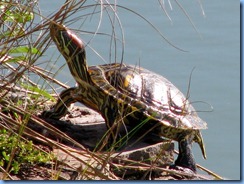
x=56, y=29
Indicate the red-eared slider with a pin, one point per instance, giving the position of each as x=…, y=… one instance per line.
x=123, y=93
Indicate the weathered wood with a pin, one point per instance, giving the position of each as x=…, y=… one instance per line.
x=88, y=127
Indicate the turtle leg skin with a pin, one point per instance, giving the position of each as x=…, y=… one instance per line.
x=185, y=157
x=61, y=107
x=111, y=115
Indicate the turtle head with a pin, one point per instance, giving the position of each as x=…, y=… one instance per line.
x=73, y=50
x=66, y=41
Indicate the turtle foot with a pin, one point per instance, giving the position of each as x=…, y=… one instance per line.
x=183, y=169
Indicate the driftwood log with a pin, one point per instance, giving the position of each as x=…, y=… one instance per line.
x=88, y=127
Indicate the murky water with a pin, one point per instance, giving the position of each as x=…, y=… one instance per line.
x=214, y=53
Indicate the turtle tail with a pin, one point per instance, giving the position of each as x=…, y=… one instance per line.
x=198, y=138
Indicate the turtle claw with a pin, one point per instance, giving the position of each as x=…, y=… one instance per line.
x=182, y=169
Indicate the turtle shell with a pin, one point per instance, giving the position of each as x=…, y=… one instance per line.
x=148, y=93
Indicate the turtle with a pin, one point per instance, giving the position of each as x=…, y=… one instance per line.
x=127, y=94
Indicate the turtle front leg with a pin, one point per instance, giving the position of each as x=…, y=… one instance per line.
x=185, y=157
x=61, y=107
x=113, y=119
